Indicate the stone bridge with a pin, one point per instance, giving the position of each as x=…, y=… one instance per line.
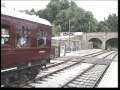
x=102, y=36
x=83, y=39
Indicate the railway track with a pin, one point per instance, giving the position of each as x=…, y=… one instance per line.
x=64, y=59
x=56, y=68
x=103, y=60
x=89, y=78
x=67, y=59
x=56, y=79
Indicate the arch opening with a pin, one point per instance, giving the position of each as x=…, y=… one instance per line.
x=112, y=44
x=97, y=43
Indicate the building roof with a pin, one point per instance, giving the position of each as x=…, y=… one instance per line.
x=13, y=13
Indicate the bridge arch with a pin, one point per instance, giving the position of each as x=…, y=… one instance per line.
x=103, y=36
x=111, y=44
x=97, y=43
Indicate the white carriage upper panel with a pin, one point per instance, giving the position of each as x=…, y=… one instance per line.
x=20, y=15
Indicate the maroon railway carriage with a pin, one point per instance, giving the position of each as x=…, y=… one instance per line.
x=25, y=45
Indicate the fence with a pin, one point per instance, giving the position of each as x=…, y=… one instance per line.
x=60, y=47
x=55, y=52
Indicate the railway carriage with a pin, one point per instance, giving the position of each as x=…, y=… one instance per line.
x=25, y=45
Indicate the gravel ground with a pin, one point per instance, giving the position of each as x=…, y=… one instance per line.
x=62, y=77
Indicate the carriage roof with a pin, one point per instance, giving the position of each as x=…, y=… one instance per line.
x=20, y=15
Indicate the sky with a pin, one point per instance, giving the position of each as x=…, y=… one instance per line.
x=100, y=8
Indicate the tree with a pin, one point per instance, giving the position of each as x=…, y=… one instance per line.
x=61, y=19
x=112, y=22
x=28, y=12
x=72, y=3
x=60, y=11
x=55, y=30
x=42, y=13
x=109, y=25
x=52, y=11
x=105, y=29
x=100, y=25
x=32, y=10
x=79, y=19
x=64, y=4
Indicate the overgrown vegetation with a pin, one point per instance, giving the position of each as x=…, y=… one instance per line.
x=59, y=12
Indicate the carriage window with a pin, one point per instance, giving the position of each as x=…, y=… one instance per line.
x=4, y=35
x=41, y=38
x=23, y=37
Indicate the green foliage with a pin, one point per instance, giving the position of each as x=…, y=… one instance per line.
x=55, y=30
x=42, y=13
x=58, y=12
x=32, y=10
x=29, y=12
x=109, y=25
x=105, y=29
x=112, y=22
x=96, y=43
